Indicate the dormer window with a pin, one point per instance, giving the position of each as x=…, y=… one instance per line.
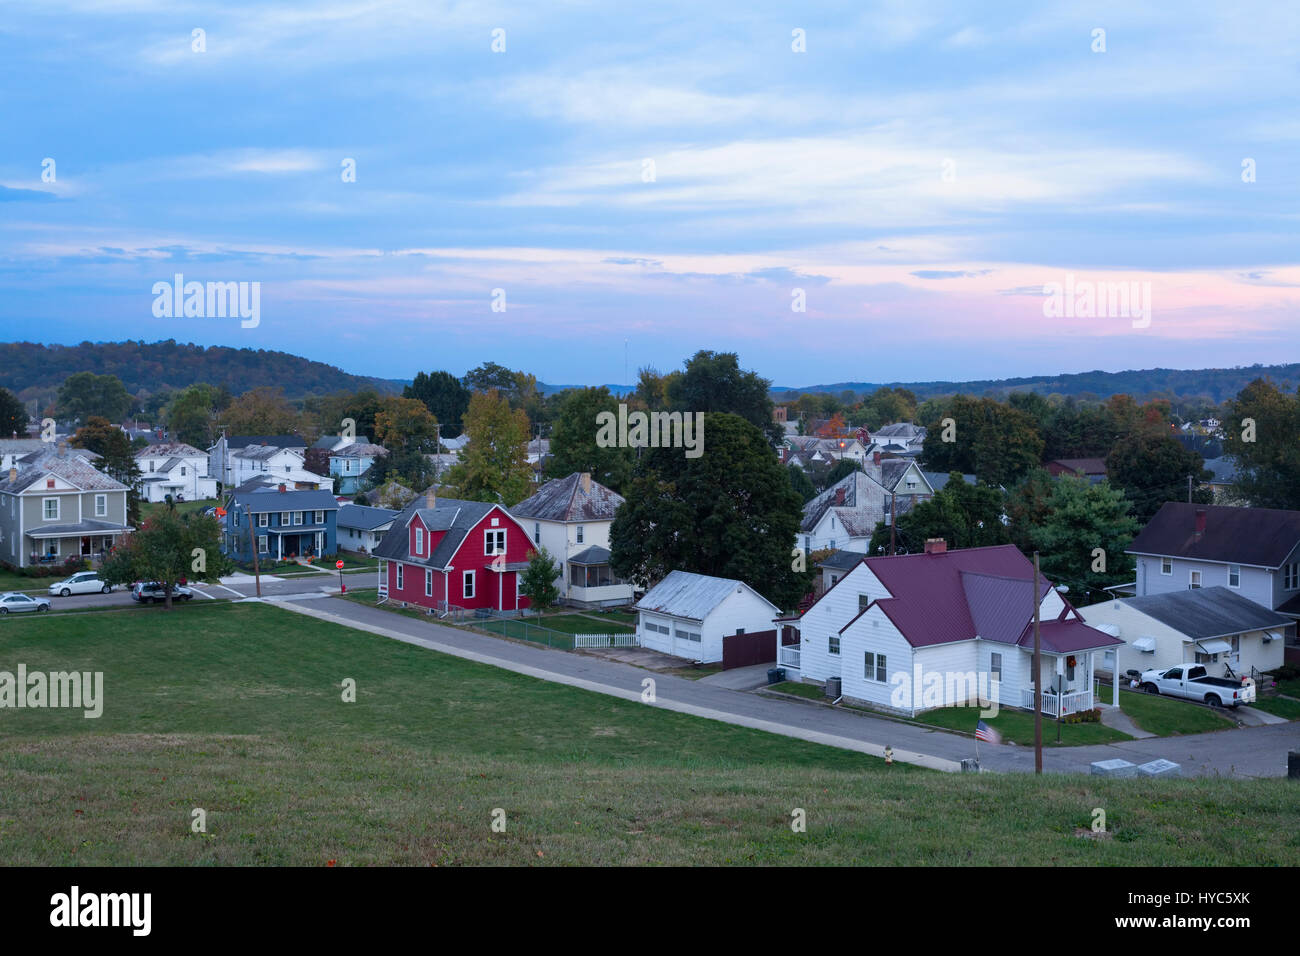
x=419, y=541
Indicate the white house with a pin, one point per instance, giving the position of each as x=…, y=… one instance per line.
x=571, y=518
x=688, y=615
x=845, y=515
x=947, y=628
x=221, y=456
x=1228, y=633
x=176, y=469
x=361, y=528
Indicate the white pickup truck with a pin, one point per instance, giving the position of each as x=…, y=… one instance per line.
x=1190, y=681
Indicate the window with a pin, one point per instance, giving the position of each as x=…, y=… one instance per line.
x=261, y=544
x=419, y=541
x=835, y=579
x=494, y=542
x=874, y=667
x=400, y=583
x=428, y=583
x=537, y=532
x=1166, y=566
x=101, y=505
x=995, y=666
x=863, y=601
x=51, y=509
x=297, y=517
x=832, y=543
x=579, y=534
x=263, y=520
x=1207, y=658
x=1193, y=580
x=284, y=518
x=688, y=636
x=182, y=471
x=1234, y=575
x=1291, y=576
x=1175, y=674
x=319, y=517
x=834, y=644
x=467, y=588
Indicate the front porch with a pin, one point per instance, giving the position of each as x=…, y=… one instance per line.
x=87, y=539
x=1059, y=705
x=1066, y=680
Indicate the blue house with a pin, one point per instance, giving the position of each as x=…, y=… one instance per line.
x=286, y=523
x=349, y=464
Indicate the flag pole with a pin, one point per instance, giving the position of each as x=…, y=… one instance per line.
x=1038, y=681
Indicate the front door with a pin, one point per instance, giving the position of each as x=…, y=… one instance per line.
x=85, y=545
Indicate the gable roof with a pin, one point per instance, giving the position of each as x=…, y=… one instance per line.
x=1223, y=468
x=268, y=501
x=177, y=449
x=452, y=515
x=70, y=466
x=1202, y=613
x=842, y=560
x=280, y=441
x=975, y=592
x=939, y=479
x=692, y=596
x=1082, y=466
x=360, y=449
x=364, y=517
x=860, y=492
x=562, y=499
x=258, y=452
x=1262, y=537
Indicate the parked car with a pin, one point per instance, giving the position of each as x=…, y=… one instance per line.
x=83, y=582
x=146, y=592
x=18, y=602
x=1191, y=682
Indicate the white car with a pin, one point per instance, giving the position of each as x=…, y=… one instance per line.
x=18, y=602
x=83, y=582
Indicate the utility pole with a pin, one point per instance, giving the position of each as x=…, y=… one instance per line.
x=1038, y=680
x=1189, y=489
x=252, y=536
x=893, y=516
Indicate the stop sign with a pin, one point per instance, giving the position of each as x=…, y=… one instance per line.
x=339, y=564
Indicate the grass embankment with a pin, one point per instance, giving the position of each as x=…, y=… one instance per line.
x=240, y=713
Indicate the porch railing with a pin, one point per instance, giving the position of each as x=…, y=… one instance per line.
x=1070, y=702
x=788, y=655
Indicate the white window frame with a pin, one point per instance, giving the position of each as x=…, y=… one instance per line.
x=833, y=645
x=428, y=582
x=468, y=584
x=401, y=578
x=494, y=541
x=873, y=667
x=101, y=506
x=1194, y=580
x=319, y=517
x=297, y=517
x=579, y=532
x=263, y=547
x=1291, y=577
x=45, y=509
x=419, y=541
x=285, y=519
x=1166, y=562
x=263, y=519
x=537, y=532
x=1234, y=570
x=995, y=666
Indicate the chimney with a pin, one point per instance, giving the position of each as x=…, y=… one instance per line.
x=875, y=457
x=63, y=449
x=282, y=487
x=431, y=497
x=13, y=474
x=935, y=546
x=585, y=480
x=1200, y=523
x=839, y=496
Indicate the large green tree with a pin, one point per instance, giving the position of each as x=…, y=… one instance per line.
x=573, y=440
x=494, y=465
x=965, y=516
x=13, y=416
x=731, y=512
x=169, y=547
x=104, y=438
x=445, y=397
x=261, y=411
x=995, y=442
x=1153, y=468
x=191, y=416
x=1080, y=535
x=1262, y=434
x=84, y=394
x=715, y=382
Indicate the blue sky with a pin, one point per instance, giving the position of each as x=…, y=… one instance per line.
x=920, y=172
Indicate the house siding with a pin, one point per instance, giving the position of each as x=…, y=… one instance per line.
x=743, y=609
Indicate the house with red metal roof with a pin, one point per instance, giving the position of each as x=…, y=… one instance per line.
x=909, y=633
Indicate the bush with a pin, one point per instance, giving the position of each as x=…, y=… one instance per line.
x=1285, y=672
x=1084, y=716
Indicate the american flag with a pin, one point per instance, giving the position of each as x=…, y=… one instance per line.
x=986, y=733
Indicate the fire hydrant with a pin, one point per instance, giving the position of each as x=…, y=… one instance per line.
x=889, y=754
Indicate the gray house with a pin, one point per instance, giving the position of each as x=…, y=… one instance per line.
x=54, y=504
x=1253, y=552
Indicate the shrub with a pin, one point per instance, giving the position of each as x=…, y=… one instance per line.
x=1084, y=716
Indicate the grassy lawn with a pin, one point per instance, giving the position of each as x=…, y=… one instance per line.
x=1279, y=707
x=1018, y=726
x=149, y=508
x=799, y=689
x=9, y=581
x=580, y=624
x=240, y=713
x=1166, y=716
x=351, y=560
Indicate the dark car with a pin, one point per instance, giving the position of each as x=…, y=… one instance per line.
x=147, y=592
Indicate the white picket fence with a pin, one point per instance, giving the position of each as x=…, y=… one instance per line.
x=605, y=640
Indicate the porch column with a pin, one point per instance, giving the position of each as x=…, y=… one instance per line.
x=1115, y=677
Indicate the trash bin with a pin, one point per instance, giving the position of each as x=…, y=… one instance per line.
x=775, y=675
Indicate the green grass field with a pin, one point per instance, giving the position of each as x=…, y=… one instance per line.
x=1167, y=716
x=581, y=624
x=1285, y=707
x=240, y=713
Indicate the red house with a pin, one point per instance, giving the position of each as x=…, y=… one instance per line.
x=445, y=553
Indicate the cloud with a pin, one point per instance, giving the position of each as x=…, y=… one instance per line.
x=12, y=194
x=948, y=274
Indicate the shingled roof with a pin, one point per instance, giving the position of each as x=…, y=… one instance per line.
x=69, y=466
x=1261, y=537
x=452, y=515
x=1203, y=613
x=173, y=449
x=565, y=499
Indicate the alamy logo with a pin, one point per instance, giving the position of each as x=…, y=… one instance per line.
x=930, y=689
x=651, y=430
x=75, y=909
x=1087, y=300
x=76, y=690
x=213, y=300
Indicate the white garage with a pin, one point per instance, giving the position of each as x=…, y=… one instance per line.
x=688, y=615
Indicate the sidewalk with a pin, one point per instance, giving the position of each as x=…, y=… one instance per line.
x=1246, y=752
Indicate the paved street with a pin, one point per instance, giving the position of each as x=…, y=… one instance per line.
x=1247, y=752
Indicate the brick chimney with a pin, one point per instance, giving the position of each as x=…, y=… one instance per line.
x=585, y=480
x=282, y=488
x=13, y=474
x=1200, y=523
x=875, y=457
x=431, y=498
x=63, y=449
x=839, y=496
x=935, y=546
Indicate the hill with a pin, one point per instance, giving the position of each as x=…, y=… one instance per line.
x=149, y=367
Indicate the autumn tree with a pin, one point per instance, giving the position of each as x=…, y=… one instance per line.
x=494, y=465
x=965, y=516
x=169, y=547
x=118, y=462
x=261, y=411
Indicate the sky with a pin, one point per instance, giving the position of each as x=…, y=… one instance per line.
x=836, y=192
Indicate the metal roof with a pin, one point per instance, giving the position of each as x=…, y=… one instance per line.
x=1202, y=613
x=691, y=596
